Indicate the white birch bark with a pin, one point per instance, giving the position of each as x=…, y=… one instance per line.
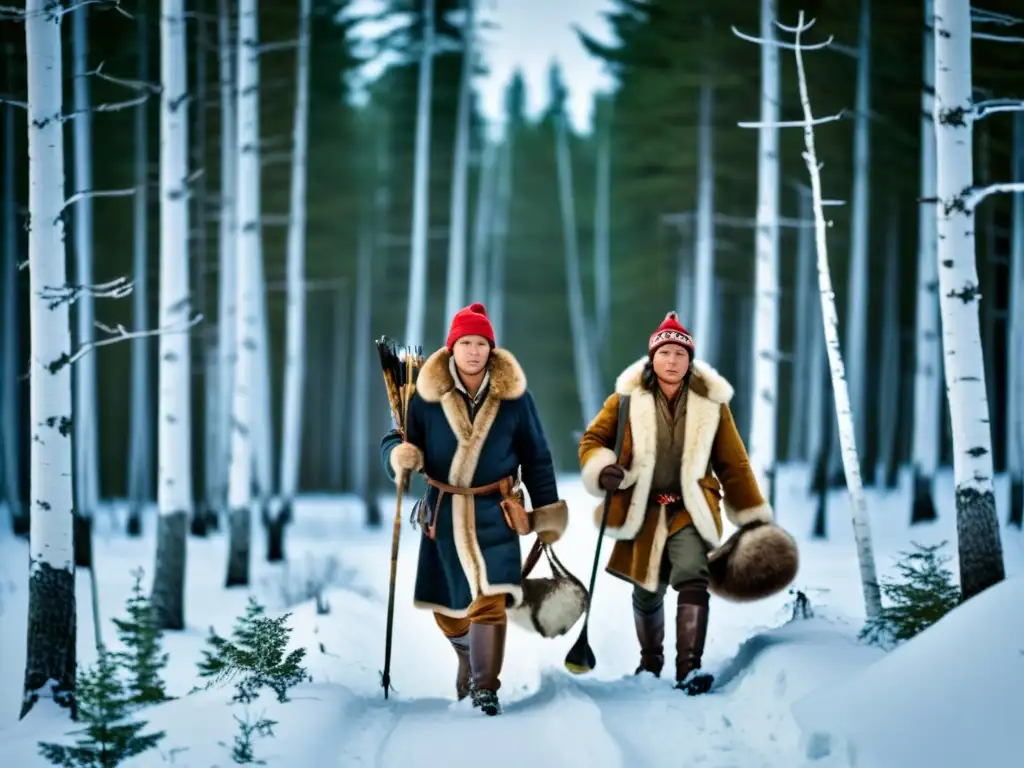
x=803, y=380
x=50, y=655
x=140, y=464
x=249, y=254
x=889, y=376
x=262, y=424
x=582, y=345
x=295, y=318
x=844, y=420
x=10, y=338
x=1015, y=338
x=416, y=307
x=456, y=278
x=980, y=549
x=227, y=237
x=926, y=443
x=484, y=215
x=855, y=349
x=83, y=376
x=174, y=407
x=764, y=400
x=704, y=267
x=602, y=234
x=502, y=213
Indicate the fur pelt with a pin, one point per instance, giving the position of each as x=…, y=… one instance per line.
x=756, y=562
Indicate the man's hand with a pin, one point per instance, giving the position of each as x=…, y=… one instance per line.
x=611, y=477
x=406, y=457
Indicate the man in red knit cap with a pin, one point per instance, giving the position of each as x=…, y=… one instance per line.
x=473, y=430
x=680, y=451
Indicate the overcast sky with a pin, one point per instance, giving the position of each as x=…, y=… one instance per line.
x=530, y=35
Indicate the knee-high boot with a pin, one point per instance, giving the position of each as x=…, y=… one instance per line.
x=650, y=632
x=691, y=633
x=462, y=677
x=486, y=656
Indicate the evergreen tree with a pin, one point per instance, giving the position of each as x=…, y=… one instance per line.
x=143, y=659
x=105, y=706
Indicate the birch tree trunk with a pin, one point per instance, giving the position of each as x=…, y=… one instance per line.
x=295, y=319
x=1015, y=339
x=482, y=232
x=764, y=400
x=499, y=241
x=684, y=265
x=582, y=345
x=928, y=422
x=83, y=376
x=249, y=254
x=803, y=380
x=140, y=465
x=844, y=419
x=50, y=653
x=704, y=267
x=855, y=353
x=980, y=550
x=174, y=439
x=602, y=236
x=416, y=308
x=262, y=424
x=890, y=375
x=227, y=244
x=456, y=282
x=10, y=325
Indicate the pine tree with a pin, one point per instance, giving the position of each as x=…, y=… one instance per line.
x=105, y=705
x=255, y=657
x=925, y=592
x=142, y=637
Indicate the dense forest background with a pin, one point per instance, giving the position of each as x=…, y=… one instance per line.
x=360, y=186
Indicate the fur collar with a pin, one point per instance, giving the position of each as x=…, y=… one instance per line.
x=704, y=381
x=507, y=380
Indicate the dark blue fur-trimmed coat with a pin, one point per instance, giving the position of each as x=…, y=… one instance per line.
x=475, y=552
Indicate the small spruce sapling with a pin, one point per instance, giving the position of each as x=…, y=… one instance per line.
x=142, y=636
x=105, y=706
x=254, y=658
x=924, y=593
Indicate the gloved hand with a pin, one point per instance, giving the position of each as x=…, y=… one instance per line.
x=611, y=477
x=406, y=457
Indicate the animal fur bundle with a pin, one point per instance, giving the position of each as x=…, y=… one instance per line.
x=399, y=364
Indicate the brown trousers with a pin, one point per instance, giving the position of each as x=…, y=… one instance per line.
x=486, y=609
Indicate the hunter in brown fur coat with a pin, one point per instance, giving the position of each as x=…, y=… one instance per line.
x=681, y=451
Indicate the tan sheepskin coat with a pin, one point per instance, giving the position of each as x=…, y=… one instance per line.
x=714, y=460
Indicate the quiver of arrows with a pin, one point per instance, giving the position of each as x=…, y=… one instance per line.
x=400, y=364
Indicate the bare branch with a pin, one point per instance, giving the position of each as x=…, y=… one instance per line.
x=985, y=108
x=94, y=193
x=112, y=5
x=800, y=28
x=13, y=102
x=980, y=193
x=120, y=333
x=115, y=106
x=69, y=294
x=282, y=45
x=797, y=123
x=981, y=16
x=136, y=85
x=781, y=43
x=996, y=38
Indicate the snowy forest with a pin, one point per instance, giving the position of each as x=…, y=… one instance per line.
x=208, y=214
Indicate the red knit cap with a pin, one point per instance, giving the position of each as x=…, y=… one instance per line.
x=470, y=321
x=670, y=331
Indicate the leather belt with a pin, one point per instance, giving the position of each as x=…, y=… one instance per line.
x=503, y=486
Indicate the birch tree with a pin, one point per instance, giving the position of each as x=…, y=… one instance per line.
x=803, y=380
x=456, y=278
x=140, y=471
x=602, y=231
x=416, y=307
x=889, y=374
x=295, y=320
x=764, y=400
x=85, y=444
x=980, y=549
x=174, y=439
x=50, y=654
x=704, y=269
x=1015, y=338
x=10, y=338
x=249, y=252
x=927, y=352
x=844, y=420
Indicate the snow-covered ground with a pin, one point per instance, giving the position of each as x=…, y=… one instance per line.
x=793, y=694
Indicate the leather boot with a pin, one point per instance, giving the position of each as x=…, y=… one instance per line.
x=462, y=677
x=650, y=631
x=486, y=655
x=691, y=632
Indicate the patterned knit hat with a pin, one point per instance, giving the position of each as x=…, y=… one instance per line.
x=670, y=331
x=470, y=321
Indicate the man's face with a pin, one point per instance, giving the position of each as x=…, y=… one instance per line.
x=671, y=362
x=471, y=353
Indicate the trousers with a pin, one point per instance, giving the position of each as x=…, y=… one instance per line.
x=486, y=609
x=684, y=566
